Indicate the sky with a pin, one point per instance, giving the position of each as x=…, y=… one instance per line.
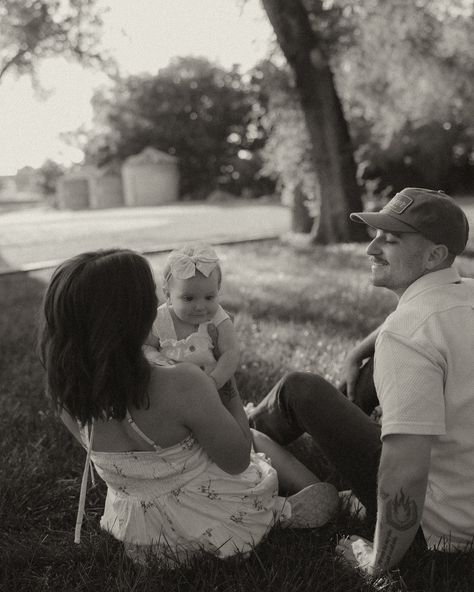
x=143, y=36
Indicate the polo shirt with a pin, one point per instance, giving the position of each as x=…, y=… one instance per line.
x=424, y=376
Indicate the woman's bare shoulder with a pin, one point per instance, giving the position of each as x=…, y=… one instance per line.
x=181, y=381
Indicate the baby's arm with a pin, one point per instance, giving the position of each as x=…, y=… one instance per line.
x=229, y=353
x=151, y=347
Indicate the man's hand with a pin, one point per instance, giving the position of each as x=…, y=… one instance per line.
x=358, y=553
x=352, y=365
x=351, y=374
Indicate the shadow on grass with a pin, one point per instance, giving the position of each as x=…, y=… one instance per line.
x=36, y=455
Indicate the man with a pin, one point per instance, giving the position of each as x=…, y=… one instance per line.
x=417, y=468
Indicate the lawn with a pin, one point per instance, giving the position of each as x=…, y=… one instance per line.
x=293, y=310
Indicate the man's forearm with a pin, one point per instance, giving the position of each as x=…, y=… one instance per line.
x=366, y=348
x=399, y=515
x=403, y=479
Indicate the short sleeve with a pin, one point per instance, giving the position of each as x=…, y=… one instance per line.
x=219, y=317
x=409, y=378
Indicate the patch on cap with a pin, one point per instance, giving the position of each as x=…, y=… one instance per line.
x=399, y=203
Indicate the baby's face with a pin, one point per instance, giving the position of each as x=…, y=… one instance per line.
x=196, y=299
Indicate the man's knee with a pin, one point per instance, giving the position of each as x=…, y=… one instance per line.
x=307, y=388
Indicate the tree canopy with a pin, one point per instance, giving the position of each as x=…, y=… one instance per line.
x=193, y=109
x=31, y=30
x=404, y=74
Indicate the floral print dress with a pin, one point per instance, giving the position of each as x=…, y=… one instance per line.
x=175, y=502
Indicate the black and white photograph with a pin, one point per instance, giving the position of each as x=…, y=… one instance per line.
x=236, y=295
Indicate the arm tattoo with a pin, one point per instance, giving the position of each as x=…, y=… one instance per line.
x=386, y=550
x=401, y=512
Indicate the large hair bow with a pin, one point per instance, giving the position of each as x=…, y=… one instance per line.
x=184, y=266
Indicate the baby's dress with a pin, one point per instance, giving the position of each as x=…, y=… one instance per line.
x=197, y=348
x=174, y=502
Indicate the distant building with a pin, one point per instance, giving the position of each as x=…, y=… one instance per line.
x=74, y=189
x=150, y=178
x=90, y=187
x=7, y=187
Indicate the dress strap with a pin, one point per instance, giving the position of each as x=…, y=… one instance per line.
x=85, y=477
x=138, y=431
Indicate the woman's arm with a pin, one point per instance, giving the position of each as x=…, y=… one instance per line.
x=231, y=400
x=229, y=354
x=220, y=429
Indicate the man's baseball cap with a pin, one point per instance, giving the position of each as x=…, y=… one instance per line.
x=434, y=214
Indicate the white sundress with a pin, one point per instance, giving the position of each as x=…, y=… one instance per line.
x=175, y=502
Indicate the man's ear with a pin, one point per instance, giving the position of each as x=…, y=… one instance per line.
x=438, y=258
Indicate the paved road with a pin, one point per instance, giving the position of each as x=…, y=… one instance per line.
x=33, y=235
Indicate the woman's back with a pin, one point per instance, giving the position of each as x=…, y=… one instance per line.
x=160, y=420
x=166, y=495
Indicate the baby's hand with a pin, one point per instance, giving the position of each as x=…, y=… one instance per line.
x=248, y=408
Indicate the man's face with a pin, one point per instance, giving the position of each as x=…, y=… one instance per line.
x=398, y=259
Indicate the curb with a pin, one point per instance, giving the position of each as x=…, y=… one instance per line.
x=152, y=250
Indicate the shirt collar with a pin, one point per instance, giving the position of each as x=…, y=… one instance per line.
x=430, y=280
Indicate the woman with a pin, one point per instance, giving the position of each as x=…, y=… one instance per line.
x=177, y=460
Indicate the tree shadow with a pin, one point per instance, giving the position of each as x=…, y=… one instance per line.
x=23, y=445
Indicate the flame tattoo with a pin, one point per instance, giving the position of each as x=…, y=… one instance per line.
x=401, y=511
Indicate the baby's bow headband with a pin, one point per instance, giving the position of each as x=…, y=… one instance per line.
x=184, y=266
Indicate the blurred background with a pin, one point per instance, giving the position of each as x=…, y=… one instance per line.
x=326, y=106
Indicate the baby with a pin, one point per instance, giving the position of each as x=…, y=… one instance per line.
x=191, y=326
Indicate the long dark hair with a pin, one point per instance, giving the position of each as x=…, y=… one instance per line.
x=97, y=312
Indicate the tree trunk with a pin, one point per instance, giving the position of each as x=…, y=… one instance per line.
x=327, y=127
x=301, y=221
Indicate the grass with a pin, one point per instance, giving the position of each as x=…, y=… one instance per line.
x=293, y=311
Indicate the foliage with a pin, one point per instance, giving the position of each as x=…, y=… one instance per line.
x=193, y=109
x=48, y=175
x=286, y=319
x=422, y=73
x=405, y=76
x=287, y=154
x=434, y=154
x=412, y=110
x=31, y=30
